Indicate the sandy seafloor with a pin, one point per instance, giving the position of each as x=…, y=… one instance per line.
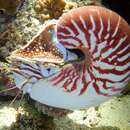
x=111, y=115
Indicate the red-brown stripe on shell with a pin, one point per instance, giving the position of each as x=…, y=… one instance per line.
x=104, y=38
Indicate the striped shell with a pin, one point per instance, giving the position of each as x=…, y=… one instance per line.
x=104, y=38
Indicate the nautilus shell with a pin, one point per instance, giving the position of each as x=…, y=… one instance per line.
x=78, y=61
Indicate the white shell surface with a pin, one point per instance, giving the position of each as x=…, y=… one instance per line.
x=45, y=93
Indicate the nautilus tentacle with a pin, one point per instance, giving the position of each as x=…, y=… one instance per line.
x=81, y=60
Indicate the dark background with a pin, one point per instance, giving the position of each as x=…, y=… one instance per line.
x=122, y=7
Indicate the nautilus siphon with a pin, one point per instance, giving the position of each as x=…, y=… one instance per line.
x=79, y=60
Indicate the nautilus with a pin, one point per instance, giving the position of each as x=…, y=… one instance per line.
x=77, y=61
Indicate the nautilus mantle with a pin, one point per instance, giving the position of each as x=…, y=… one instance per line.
x=79, y=60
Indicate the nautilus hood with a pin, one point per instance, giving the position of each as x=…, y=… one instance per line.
x=42, y=47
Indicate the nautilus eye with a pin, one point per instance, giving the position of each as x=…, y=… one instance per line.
x=48, y=70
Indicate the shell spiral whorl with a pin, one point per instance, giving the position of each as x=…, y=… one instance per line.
x=104, y=38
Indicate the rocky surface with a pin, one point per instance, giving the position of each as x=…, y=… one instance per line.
x=112, y=115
